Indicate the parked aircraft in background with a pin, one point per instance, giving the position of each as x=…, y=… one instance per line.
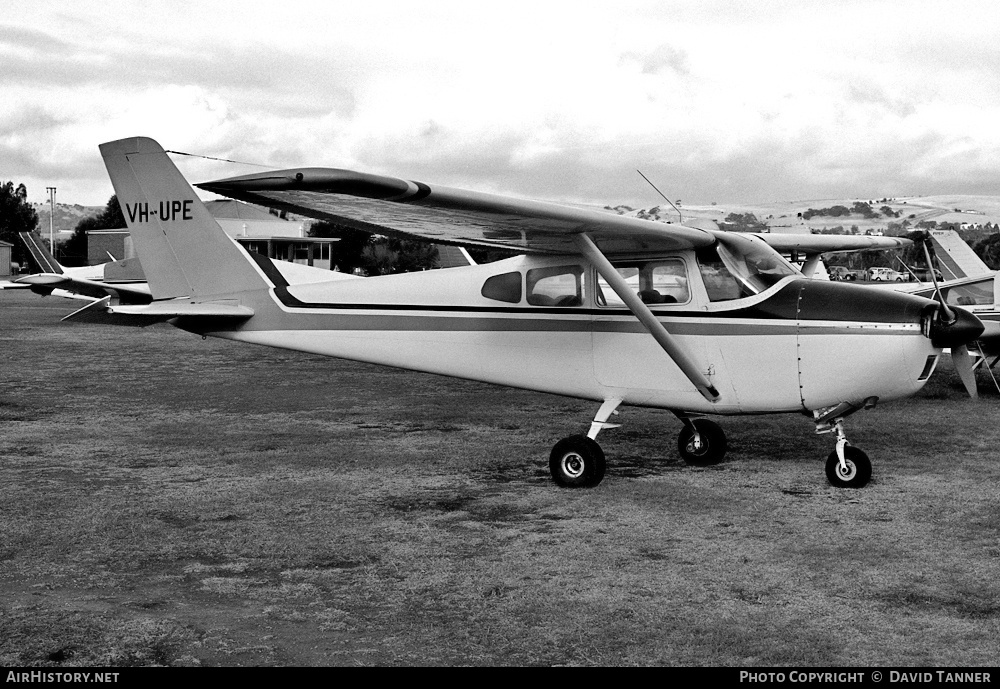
x=973, y=286
x=808, y=249
x=953, y=257
x=981, y=296
x=601, y=307
x=960, y=278
x=122, y=279
x=125, y=282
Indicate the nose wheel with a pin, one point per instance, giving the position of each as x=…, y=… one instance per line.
x=854, y=472
x=847, y=466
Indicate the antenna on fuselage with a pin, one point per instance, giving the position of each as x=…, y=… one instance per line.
x=680, y=218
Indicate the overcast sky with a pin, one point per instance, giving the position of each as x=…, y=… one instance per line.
x=728, y=101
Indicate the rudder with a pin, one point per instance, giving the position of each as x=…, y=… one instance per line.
x=184, y=252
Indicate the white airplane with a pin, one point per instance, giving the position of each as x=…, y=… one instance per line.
x=125, y=282
x=600, y=307
x=122, y=279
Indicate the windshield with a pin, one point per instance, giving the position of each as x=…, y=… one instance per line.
x=737, y=267
x=971, y=294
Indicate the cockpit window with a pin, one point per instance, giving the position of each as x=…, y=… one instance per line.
x=656, y=282
x=736, y=267
x=971, y=294
x=555, y=286
x=504, y=287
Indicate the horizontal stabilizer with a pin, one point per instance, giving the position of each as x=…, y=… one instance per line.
x=101, y=311
x=45, y=279
x=45, y=283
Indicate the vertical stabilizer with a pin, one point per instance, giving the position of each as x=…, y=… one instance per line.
x=956, y=259
x=184, y=252
x=44, y=260
x=453, y=256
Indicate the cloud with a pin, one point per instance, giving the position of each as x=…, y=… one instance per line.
x=663, y=58
x=18, y=39
x=722, y=101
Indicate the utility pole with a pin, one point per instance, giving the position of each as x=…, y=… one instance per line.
x=52, y=215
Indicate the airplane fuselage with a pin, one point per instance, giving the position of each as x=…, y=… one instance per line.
x=798, y=345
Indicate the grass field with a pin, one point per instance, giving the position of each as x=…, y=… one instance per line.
x=169, y=500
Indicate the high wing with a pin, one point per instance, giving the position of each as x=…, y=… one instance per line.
x=388, y=205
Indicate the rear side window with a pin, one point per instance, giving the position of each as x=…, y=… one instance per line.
x=505, y=287
x=555, y=286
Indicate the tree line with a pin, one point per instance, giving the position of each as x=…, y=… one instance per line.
x=374, y=254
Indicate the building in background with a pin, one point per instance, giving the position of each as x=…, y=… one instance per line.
x=254, y=228
x=6, y=269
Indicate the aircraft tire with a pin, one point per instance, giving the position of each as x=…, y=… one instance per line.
x=577, y=462
x=859, y=469
x=713, y=444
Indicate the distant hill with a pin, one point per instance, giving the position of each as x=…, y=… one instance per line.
x=66, y=218
x=800, y=216
x=779, y=217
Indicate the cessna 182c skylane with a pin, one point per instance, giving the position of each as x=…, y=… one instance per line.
x=601, y=307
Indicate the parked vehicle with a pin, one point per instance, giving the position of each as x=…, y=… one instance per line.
x=924, y=275
x=885, y=275
x=843, y=274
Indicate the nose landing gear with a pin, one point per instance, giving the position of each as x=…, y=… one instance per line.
x=853, y=471
x=847, y=466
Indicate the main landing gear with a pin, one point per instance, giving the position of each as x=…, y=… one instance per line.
x=701, y=442
x=578, y=461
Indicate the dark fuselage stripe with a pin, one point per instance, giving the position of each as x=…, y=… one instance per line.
x=588, y=318
x=441, y=319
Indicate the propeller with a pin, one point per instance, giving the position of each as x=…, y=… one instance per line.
x=965, y=365
x=947, y=314
x=964, y=361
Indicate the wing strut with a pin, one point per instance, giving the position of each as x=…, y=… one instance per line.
x=646, y=317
